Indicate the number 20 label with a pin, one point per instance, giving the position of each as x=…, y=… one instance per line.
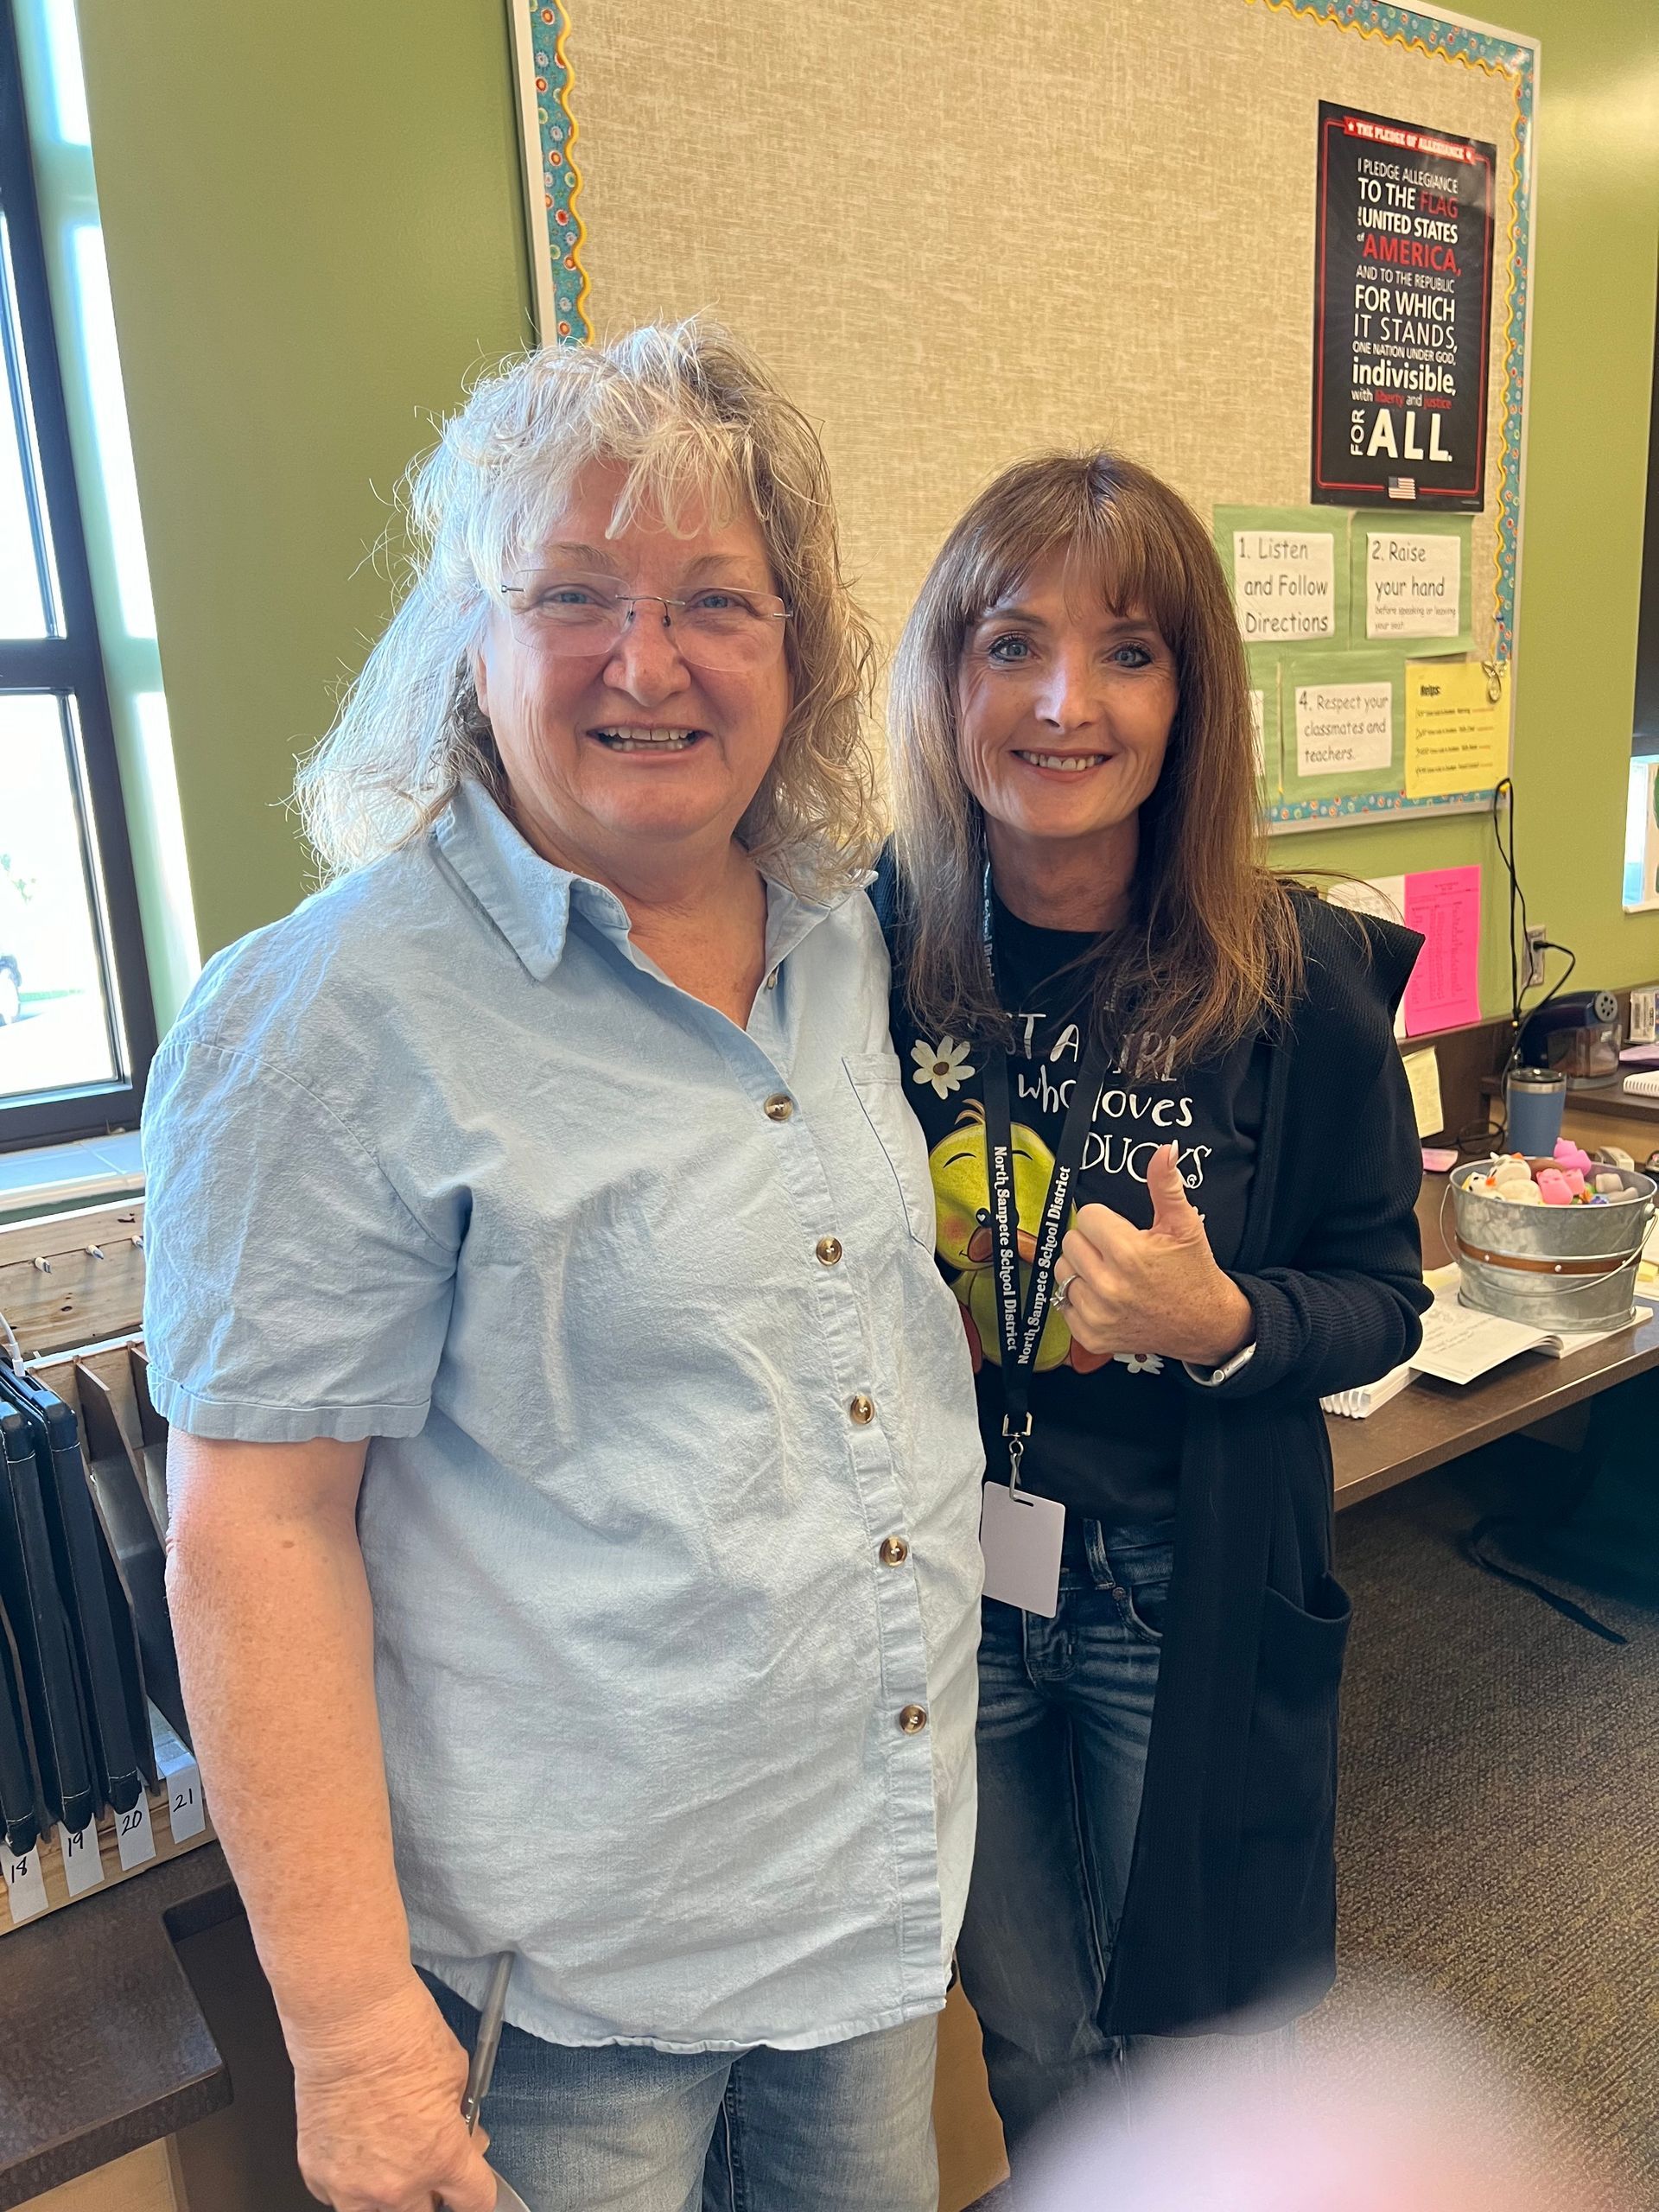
x=135, y=1837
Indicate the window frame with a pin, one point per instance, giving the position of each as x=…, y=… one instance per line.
x=70, y=666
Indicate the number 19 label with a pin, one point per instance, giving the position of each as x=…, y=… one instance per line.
x=83, y=1868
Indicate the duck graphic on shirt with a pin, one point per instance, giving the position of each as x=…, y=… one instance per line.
x=961, y=1190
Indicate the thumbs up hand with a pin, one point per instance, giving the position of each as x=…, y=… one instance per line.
x=1151, y=1290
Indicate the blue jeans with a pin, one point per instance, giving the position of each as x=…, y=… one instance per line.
x=845, y=2128
x=1065, y=1717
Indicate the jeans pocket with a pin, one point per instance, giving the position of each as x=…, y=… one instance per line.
x=1140, y=1575
x=1143, y=1605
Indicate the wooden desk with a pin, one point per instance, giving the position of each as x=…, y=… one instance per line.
x=1431, y=1421
x=106, y=2045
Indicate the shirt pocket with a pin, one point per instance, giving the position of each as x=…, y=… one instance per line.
x=881, y=1091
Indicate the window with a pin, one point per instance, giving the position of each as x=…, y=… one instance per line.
x=1644, y=738
x=1640, y=822
x=77, y=1029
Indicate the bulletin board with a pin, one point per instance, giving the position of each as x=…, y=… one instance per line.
x=960, y=236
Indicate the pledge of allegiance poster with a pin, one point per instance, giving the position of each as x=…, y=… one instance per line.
x=1402, y=314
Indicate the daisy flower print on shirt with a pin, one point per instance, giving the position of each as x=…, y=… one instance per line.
x=944, y=1064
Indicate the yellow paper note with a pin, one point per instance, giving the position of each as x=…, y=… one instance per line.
x=1423, y=1074
x=1456, y=733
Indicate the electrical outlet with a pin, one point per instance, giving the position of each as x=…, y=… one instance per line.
x=1532, y=973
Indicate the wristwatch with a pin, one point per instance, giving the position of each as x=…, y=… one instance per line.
x=1209, y=1377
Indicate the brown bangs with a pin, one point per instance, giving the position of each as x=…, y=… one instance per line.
x=1212, y=947
x=1116, y=546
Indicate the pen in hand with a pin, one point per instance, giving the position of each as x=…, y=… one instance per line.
x=480, y=2072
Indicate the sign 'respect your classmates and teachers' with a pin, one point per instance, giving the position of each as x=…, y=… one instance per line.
x=1402, y=314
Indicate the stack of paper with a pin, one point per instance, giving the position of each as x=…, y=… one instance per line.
x=1355, y=1405
x=1458, y=1343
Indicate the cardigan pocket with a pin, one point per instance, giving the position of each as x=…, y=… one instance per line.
x=1292, y=1753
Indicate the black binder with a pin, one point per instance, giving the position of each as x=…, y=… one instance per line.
x=124, y=1761
x=124, y=1620
x=124, y=1511
x=21, y=1811
x=28, y=1586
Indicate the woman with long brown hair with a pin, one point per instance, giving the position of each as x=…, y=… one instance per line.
x=1175, y=1161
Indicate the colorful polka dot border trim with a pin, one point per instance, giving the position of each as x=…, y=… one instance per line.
x=550, y=27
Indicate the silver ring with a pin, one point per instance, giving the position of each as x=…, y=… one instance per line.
x=1061, y=1288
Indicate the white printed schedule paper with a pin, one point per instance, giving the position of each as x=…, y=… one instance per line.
x=1285, y=585
x=1341, y=728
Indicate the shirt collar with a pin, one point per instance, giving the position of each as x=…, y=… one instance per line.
x=530, y=900
x=526, y=897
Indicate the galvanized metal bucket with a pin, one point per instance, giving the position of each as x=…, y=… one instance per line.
x=1562, y=1268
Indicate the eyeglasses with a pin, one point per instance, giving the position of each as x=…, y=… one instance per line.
x=717, y=627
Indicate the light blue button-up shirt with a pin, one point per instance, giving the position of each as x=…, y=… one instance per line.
x=444, y=1161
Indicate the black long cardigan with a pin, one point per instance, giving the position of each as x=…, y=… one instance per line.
x=1230, y=1918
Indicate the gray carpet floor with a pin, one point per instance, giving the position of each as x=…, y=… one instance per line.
x=1499, y=1833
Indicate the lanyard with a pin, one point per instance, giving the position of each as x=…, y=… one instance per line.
x=1020, y=1319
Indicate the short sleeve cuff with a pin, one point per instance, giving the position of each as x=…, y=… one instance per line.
x=241, y=1422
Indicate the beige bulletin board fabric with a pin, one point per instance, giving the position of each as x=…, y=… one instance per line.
x=961, y=232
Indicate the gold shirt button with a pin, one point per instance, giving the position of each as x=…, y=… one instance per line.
x=829, y=1250
x=779, y=1106
x=914, y=1718
x=863, y=1411
x=894, y=1551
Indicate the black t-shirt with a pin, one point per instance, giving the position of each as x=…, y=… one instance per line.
x=1106, y=1435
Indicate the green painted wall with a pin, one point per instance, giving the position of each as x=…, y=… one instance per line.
x=312, y=219
x=314, y=234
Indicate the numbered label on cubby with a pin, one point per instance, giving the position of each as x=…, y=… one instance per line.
x=135, y=1837
x=186, y=1813
x=25, y=1885
x=83, y=1863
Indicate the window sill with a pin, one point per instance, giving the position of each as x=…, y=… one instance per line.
x=51, y=1177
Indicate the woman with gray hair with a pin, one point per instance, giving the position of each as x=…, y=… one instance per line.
x=575, y=1468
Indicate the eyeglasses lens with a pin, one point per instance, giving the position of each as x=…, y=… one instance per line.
x=715, y=627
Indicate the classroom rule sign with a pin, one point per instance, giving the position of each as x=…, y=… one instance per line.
x=1402, y=314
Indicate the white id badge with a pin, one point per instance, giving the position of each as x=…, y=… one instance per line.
x=1021, y=1538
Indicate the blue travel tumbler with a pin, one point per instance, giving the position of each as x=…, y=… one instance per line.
x=1533, y=1099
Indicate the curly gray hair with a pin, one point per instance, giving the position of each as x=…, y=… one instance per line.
x=689, y=413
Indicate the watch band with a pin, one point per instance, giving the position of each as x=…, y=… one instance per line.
x=1209, y=1377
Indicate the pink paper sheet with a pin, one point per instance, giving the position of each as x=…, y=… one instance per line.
x=1444, y=993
